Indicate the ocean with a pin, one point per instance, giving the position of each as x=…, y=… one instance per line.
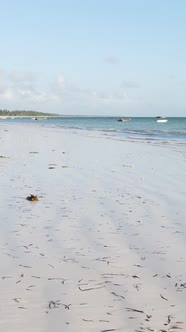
x=137, y=129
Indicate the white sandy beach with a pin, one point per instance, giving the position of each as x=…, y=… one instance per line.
x=104, y=248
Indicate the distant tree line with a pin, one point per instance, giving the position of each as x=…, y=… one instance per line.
x=23, y=113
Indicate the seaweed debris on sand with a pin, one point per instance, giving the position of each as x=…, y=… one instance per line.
x=32, y=198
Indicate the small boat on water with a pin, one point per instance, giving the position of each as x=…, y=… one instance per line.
x=39, y=118
x=124, y=119
x=161, y=119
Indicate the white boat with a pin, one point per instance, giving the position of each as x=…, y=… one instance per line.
x=161, y=119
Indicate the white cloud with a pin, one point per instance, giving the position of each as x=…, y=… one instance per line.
x=21, y=77
x=23, y=90
x=19, y=86
x=6, y=94
x=60, y=81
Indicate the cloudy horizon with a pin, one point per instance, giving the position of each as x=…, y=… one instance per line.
x=92, y=58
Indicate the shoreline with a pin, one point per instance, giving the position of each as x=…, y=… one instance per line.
x=98, y=134
x=104, y=247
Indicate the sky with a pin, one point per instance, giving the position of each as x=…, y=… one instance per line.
x=94, y=57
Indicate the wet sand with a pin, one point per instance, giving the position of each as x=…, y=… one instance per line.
x=104, y=248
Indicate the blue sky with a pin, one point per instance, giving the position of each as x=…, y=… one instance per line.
x=102, y=57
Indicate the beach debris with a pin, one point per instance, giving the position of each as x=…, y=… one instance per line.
x=3, y=157
x=17, y=299
x=175, y=327
x=108, y=330
x=135, y=276
x=148, y=317
x=29, y=288
x=32, y=198
x=183, y=285
x=135, y=310
x=138, y=265
x=51, y=166
x=26, y=266
x=168, y=320
x=27, y=247
x=57, y=279
x=89, y=289
x=67, y=306
x=102, y=259
x=137, y=287
x=128, y=165
x=54, y=304
x=164, y=298
x=118, y=295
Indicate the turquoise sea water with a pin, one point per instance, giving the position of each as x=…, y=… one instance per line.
x=145, y=129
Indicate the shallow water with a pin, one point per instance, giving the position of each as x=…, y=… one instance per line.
x=145, y=129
